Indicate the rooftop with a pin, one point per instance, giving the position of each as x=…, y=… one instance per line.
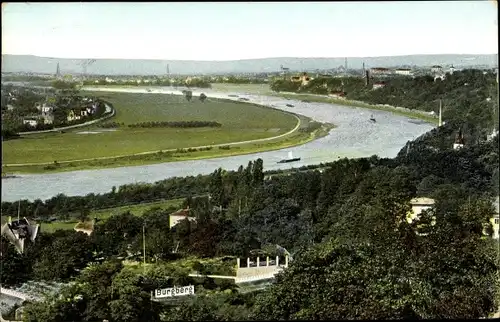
x=422, y=201
x=181, y=212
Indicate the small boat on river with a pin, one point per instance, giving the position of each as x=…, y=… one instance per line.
x=289, y=159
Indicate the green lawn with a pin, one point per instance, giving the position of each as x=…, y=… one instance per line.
x=240, y=122
x=137, y=210
x=293, y=139
x=103, y=214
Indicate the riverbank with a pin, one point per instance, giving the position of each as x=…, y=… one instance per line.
x=414, y=114
x=260, y=89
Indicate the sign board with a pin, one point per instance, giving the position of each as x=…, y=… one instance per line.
x=174, y=291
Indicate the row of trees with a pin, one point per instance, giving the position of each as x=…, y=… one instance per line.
x=181, y=124
x=240, y=80
x=191, y=82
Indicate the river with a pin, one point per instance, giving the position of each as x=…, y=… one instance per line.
x=354, y=136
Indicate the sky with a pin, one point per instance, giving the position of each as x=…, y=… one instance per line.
x=248, y=30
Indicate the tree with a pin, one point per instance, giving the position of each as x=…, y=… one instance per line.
x=16, y=268
x=221, y=306
x=188, y=95
x=64, y=257
x=83, y=215
x=131, y=300
x=96, y=280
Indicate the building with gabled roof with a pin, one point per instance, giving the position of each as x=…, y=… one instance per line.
x=17, y=231
x=179, y=215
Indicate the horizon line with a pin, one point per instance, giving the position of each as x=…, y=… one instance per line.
x=243, y=59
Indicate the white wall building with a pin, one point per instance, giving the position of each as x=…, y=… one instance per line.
x=178, y=216
x=417, y=206
x=30, y=122
x=403, y=71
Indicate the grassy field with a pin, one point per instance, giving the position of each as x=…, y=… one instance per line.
x=103, y=214
x=127, y=146
x=240, y=122
x=294, y=139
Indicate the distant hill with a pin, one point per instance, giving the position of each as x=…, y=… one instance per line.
x=35, y=64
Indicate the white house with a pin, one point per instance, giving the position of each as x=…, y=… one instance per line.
x=495, y=220
x=304, y=79
x=176, y=217
x=48, y=118
x=378, y=85
x=31, y=122
x=380, y=71
x=403, y=71
x=459, y=140
x=46, y=109
x=417, y=206
x=440, y=76
x=436, y=69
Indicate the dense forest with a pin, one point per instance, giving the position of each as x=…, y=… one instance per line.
x=347, y=219
x=354, y=254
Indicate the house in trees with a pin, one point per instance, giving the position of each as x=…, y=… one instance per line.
x=48, y=118
x=176, y=217
x=72, y=115
x=403, y=71
x=378, y=85
x=304, y=79
x=31, y=121
x=17, y=231
x=85, y=227
x=380, y=71
x=459, y=140
x=418, y=205
x=495, y=220
x=437, y=69
x=44, y=108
